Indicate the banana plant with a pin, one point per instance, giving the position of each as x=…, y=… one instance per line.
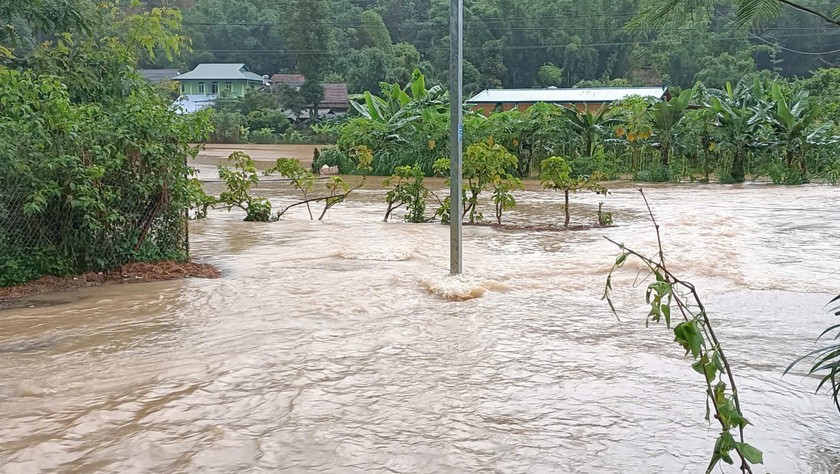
x=667, y=114
x=741, y=115
x=400, y=105
x=794, y=124
x=589, y=125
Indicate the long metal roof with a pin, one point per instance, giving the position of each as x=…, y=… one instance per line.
x=220, y=71
x=529, y=96
x=158, y=75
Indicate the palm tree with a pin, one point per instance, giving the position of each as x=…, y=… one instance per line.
x=662, y=14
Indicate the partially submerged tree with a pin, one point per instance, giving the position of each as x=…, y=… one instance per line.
x=485, y=164
x=557, y=175
x=793, y=119
x=303, y=180
x=239, y=182
x=407, y=190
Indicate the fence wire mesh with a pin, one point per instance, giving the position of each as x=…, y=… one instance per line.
x=65, y=235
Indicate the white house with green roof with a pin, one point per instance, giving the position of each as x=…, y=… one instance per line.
x=215, y=79
x=207, y=82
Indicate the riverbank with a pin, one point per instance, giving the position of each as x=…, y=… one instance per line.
x=218, y=153
x=15, y=296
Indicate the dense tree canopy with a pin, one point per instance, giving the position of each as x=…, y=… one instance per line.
x=507, y=43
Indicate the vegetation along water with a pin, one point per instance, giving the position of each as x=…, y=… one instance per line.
x=598, y=328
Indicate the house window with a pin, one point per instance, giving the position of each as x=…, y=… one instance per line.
x=214, y=87
x=201, y=88
x=228, y=87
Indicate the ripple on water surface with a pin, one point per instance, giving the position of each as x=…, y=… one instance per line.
x=342, y=346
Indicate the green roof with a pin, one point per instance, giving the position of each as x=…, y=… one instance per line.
x=221, y=72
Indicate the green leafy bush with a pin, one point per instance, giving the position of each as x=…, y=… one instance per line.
x=93, y=165
x=654, y=174
x=263, y=136
x=407, y=189
x=274, y=120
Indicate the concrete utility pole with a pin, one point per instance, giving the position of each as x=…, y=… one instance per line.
x=456, y=133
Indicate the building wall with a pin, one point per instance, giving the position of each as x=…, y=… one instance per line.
x=488, y=109
x=237, y=88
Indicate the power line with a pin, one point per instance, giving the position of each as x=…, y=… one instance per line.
x=515, y=28
x=809, y=53
x=511, y=48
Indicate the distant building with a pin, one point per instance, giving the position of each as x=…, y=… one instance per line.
x=212, y=79
x=156, y=76
x=497, y=100
x=295, y=81
x=202, y=86
x=336, y=101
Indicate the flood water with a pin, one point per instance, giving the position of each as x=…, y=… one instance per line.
x=342, y=346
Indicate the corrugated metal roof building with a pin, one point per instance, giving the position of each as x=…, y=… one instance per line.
x=493, y=100
x=157, y=75
x=221, y=72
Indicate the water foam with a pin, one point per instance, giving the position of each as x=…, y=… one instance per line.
x=461, y=287
x=376, y=254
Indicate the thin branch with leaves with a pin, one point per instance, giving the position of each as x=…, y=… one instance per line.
x=697, y=336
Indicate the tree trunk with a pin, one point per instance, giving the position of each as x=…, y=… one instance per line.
x=566, y=223
x=738, y=168
x=666, y=155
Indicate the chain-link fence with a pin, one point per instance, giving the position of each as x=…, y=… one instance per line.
x=63, y=234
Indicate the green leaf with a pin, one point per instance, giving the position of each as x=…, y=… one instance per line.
x=688, y=336
x=620, y=260
x=750, y=453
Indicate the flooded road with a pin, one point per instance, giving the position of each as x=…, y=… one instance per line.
x=340, y=346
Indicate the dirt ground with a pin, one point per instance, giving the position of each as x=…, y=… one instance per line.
x=130, y=273
x=214, y=154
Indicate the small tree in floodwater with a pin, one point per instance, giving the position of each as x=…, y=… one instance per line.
x=409, y=191
x=485, y=164
x=239, y=181
x=244, y=176
x=556, y=174
x=303, y=180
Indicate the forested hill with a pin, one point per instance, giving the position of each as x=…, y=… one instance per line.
x=510, y=43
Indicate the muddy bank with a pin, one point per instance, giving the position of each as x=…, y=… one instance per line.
x=264, y=155
x=11, y=297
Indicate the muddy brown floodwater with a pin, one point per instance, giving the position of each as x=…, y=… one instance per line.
x=341, y=346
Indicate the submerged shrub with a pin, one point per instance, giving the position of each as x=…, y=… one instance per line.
x=334, y=157
x=654, y=174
